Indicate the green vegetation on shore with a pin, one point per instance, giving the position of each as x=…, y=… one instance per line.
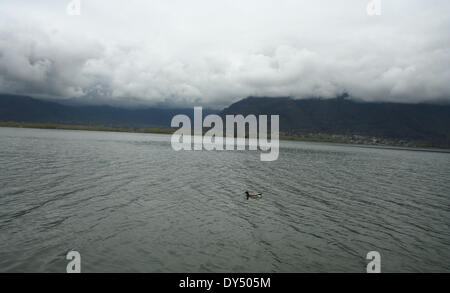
x=136, y=130
x=319, y=138
x=316, y=138
x=84, y=127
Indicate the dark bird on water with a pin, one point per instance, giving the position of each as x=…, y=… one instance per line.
x=255, y=195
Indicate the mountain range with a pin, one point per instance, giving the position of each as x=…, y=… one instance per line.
x=428, y=123
x=27, y=109
x=342, y=115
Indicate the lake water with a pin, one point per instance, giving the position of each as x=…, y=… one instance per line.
x=129, y=203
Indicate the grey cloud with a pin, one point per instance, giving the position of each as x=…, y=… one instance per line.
x=184, y=53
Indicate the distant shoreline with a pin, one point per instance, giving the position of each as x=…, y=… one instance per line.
x=85, y=127
x=156, y=130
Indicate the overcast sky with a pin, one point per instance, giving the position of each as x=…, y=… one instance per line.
x=214, y=52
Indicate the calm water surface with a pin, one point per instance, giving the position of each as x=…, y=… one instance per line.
x=129, y=203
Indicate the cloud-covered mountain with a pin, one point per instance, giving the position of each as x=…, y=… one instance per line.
x=27, y=109
x=418, y=122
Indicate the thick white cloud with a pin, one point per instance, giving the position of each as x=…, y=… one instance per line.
x=213, y=52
